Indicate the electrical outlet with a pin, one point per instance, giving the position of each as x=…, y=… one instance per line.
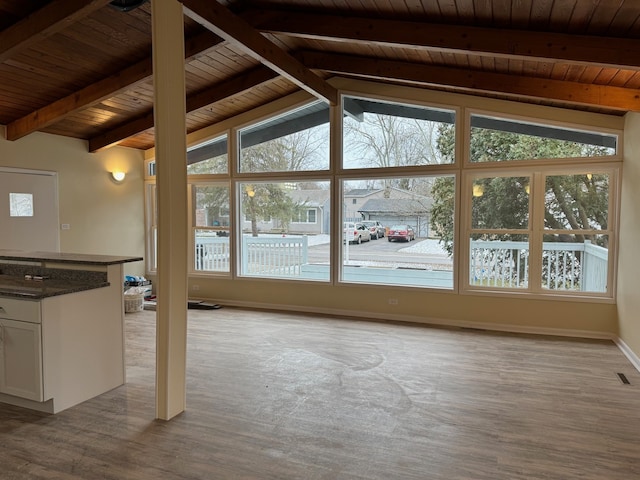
x=393, y=301
x=196, y=287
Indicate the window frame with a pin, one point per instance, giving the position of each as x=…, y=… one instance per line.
x=192, y=184
x=307, y=215
x=395, y=173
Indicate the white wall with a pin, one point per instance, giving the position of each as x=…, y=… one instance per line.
x=105, y=218
x=628, y=299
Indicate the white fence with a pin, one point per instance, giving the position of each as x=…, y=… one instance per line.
x=566, y=266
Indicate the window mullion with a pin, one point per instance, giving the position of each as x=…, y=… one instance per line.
x=536, y=231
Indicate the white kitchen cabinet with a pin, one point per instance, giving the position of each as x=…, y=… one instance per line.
x=60, y=350
x=21, y=359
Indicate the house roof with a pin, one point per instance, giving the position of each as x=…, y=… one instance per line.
x=83, y=68
x=311, y=198
x=397, y=206
x=361, y=192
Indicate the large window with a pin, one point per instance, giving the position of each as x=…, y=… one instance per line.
x=397, y=234
x=500, y=231
x=496, y=139
x=540, y=229
x=208, y=158
x=575, y=252
x=398, y=227
x=151, y=201
x=211, y=224
x=273, y=242
x=293, y=142
x=427, y=197
x=387, y=134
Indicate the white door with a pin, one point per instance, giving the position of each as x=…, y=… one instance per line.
x=29, y=210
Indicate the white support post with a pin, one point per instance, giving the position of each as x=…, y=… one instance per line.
x=171, y=179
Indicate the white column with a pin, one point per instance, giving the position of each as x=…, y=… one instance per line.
x=171, y=180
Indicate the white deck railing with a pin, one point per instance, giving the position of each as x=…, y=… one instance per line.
x=566, y=266
x=273, y=256
x=265, y=256
x=212, y=254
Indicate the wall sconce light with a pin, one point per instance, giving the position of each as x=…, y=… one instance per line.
x=478, y=190
x=589, y=176
x=118, y=177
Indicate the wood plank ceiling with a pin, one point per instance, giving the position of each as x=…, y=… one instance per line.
x=82, y=68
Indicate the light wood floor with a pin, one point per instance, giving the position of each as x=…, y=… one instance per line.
x=283, y=396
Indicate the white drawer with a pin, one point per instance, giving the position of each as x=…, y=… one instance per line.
x=24, y=310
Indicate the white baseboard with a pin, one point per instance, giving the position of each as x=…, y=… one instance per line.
x=630, y=354
x=497, y=327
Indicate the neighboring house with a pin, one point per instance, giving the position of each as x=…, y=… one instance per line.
x=389, y=206
x=390, y=211
x=355, y=199
x=213, y=217
x=313, y=218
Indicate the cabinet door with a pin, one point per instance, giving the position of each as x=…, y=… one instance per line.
x=20, y=359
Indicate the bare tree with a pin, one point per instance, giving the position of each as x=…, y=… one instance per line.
x=389, y=141
x=300, y=151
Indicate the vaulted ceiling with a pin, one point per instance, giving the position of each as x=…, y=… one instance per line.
x=82, y=68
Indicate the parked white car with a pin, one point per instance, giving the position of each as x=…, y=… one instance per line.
x=356, y=232
x=375, y=228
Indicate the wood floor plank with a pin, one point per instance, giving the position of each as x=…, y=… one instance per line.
x=284, y=396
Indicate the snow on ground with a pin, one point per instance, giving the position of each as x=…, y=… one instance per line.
x=428, y=246
x=317, y=239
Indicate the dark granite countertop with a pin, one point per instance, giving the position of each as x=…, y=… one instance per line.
x=18, y=287
x=57, y=257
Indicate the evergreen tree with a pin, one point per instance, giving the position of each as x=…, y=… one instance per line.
x=572, y=202
x=295, y=152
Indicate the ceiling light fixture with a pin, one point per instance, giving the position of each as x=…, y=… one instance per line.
x=126, y=5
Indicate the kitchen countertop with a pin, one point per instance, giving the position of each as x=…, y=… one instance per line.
x=18, y=287
x=57, y=257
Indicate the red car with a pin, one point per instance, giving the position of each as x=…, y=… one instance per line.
x=401, y=232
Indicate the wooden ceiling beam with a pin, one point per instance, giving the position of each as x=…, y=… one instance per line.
x=471, y=81
x=101, y=90
x=228, y=88
x=50, y=19
x=221, y=21
x=492, y=42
